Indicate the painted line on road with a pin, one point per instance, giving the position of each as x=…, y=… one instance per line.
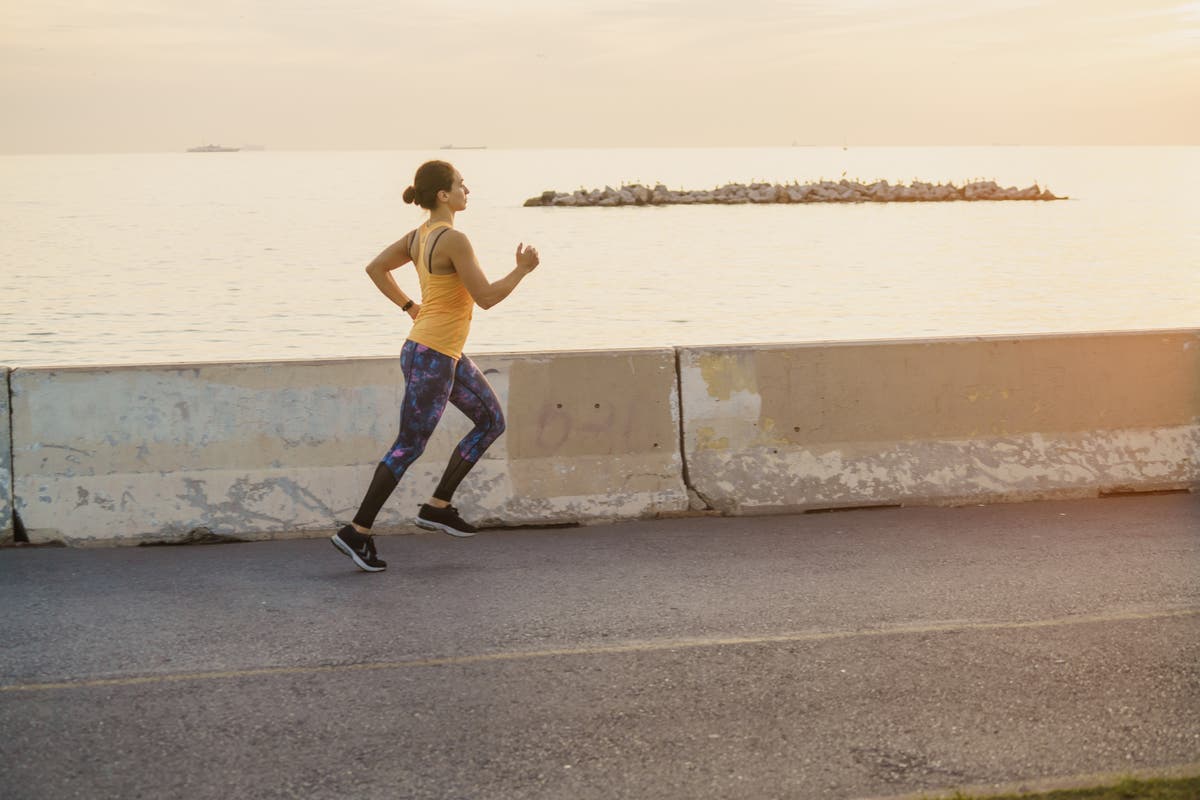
x=661, y=645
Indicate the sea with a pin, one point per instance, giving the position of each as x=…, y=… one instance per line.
x=259, y=255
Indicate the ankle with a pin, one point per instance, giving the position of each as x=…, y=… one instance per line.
x=436, y=503
x=360, y=528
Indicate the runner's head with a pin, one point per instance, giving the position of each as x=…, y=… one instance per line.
x=437, y=183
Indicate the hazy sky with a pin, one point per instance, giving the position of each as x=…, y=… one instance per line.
x=146, y=75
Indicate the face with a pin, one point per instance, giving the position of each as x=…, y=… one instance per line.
x=456, y=198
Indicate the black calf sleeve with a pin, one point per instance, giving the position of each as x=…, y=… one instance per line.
x=456, y=470
x=377, y=494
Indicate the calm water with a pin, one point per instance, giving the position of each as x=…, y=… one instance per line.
x=260, y=255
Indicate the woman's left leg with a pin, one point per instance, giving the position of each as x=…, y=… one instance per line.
x=474, y=396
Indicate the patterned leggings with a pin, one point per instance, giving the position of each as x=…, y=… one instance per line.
x=432, y=379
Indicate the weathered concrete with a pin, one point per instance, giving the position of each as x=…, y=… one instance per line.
x=6, y=493
x=257, y=449
x=254, y=449
x=591, y=435
x=786, y=427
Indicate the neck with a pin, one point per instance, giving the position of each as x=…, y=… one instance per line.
x=441, y=214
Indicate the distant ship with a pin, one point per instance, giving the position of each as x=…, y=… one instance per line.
x=213, y=148
x=459, y=147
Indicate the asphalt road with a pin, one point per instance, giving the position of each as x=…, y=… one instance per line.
x=837, y=655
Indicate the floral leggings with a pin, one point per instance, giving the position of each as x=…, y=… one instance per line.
x=431, y=379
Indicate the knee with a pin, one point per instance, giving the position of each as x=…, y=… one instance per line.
x=401, y=456
x=498, y=424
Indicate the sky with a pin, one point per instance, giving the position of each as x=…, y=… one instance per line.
x=163, y=75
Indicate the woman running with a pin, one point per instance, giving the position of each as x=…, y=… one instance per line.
x=432, y=361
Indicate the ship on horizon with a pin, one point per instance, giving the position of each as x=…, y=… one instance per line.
x=464, y=147
x=213, y=148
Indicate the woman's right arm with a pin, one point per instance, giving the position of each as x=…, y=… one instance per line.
x=484, y=292
x=394, y=255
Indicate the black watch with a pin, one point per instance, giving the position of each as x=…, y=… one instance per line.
x=407, y=306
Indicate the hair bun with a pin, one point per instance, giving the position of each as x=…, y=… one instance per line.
x=410, y=195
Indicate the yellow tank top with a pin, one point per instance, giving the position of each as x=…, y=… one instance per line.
x=446, y=305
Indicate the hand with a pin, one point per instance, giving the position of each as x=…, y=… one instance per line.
x=413, y=310
x=527, y=257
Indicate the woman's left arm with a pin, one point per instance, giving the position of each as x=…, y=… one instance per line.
x=380, y=269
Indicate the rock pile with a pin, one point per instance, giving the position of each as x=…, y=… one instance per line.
x=842, y=191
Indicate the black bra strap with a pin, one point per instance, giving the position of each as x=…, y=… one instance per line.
x=429, y=250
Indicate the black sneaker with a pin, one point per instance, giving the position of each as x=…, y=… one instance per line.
x=445, y=520
x=360, y=547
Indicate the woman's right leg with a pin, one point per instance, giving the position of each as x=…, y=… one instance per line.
x=428, y=381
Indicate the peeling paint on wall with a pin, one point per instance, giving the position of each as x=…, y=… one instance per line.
x=947, y=472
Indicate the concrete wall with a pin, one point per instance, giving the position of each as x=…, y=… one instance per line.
x=6, y=493
x=250, y=450
x=791, y=427
x=253, y=450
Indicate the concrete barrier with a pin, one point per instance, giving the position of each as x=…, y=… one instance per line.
x=774, y=428
x=6, y=475
x=252, y=450
x=256, y=450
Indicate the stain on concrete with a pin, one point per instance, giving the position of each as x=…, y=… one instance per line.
x=727, y=372
x=591, y=404
x=581, y=424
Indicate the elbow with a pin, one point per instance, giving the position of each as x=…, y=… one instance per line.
x=379, y=267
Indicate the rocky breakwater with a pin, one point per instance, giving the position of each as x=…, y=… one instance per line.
x=842, y=191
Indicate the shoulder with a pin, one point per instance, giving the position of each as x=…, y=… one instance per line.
x=406, y=244
x=407, y=241
x=455, y=239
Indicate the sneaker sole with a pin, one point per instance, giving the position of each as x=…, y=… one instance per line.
x=437, y=526
x=345, y=550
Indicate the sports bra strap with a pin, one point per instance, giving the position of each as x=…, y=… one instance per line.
x=429, y=250
x=424, y=247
